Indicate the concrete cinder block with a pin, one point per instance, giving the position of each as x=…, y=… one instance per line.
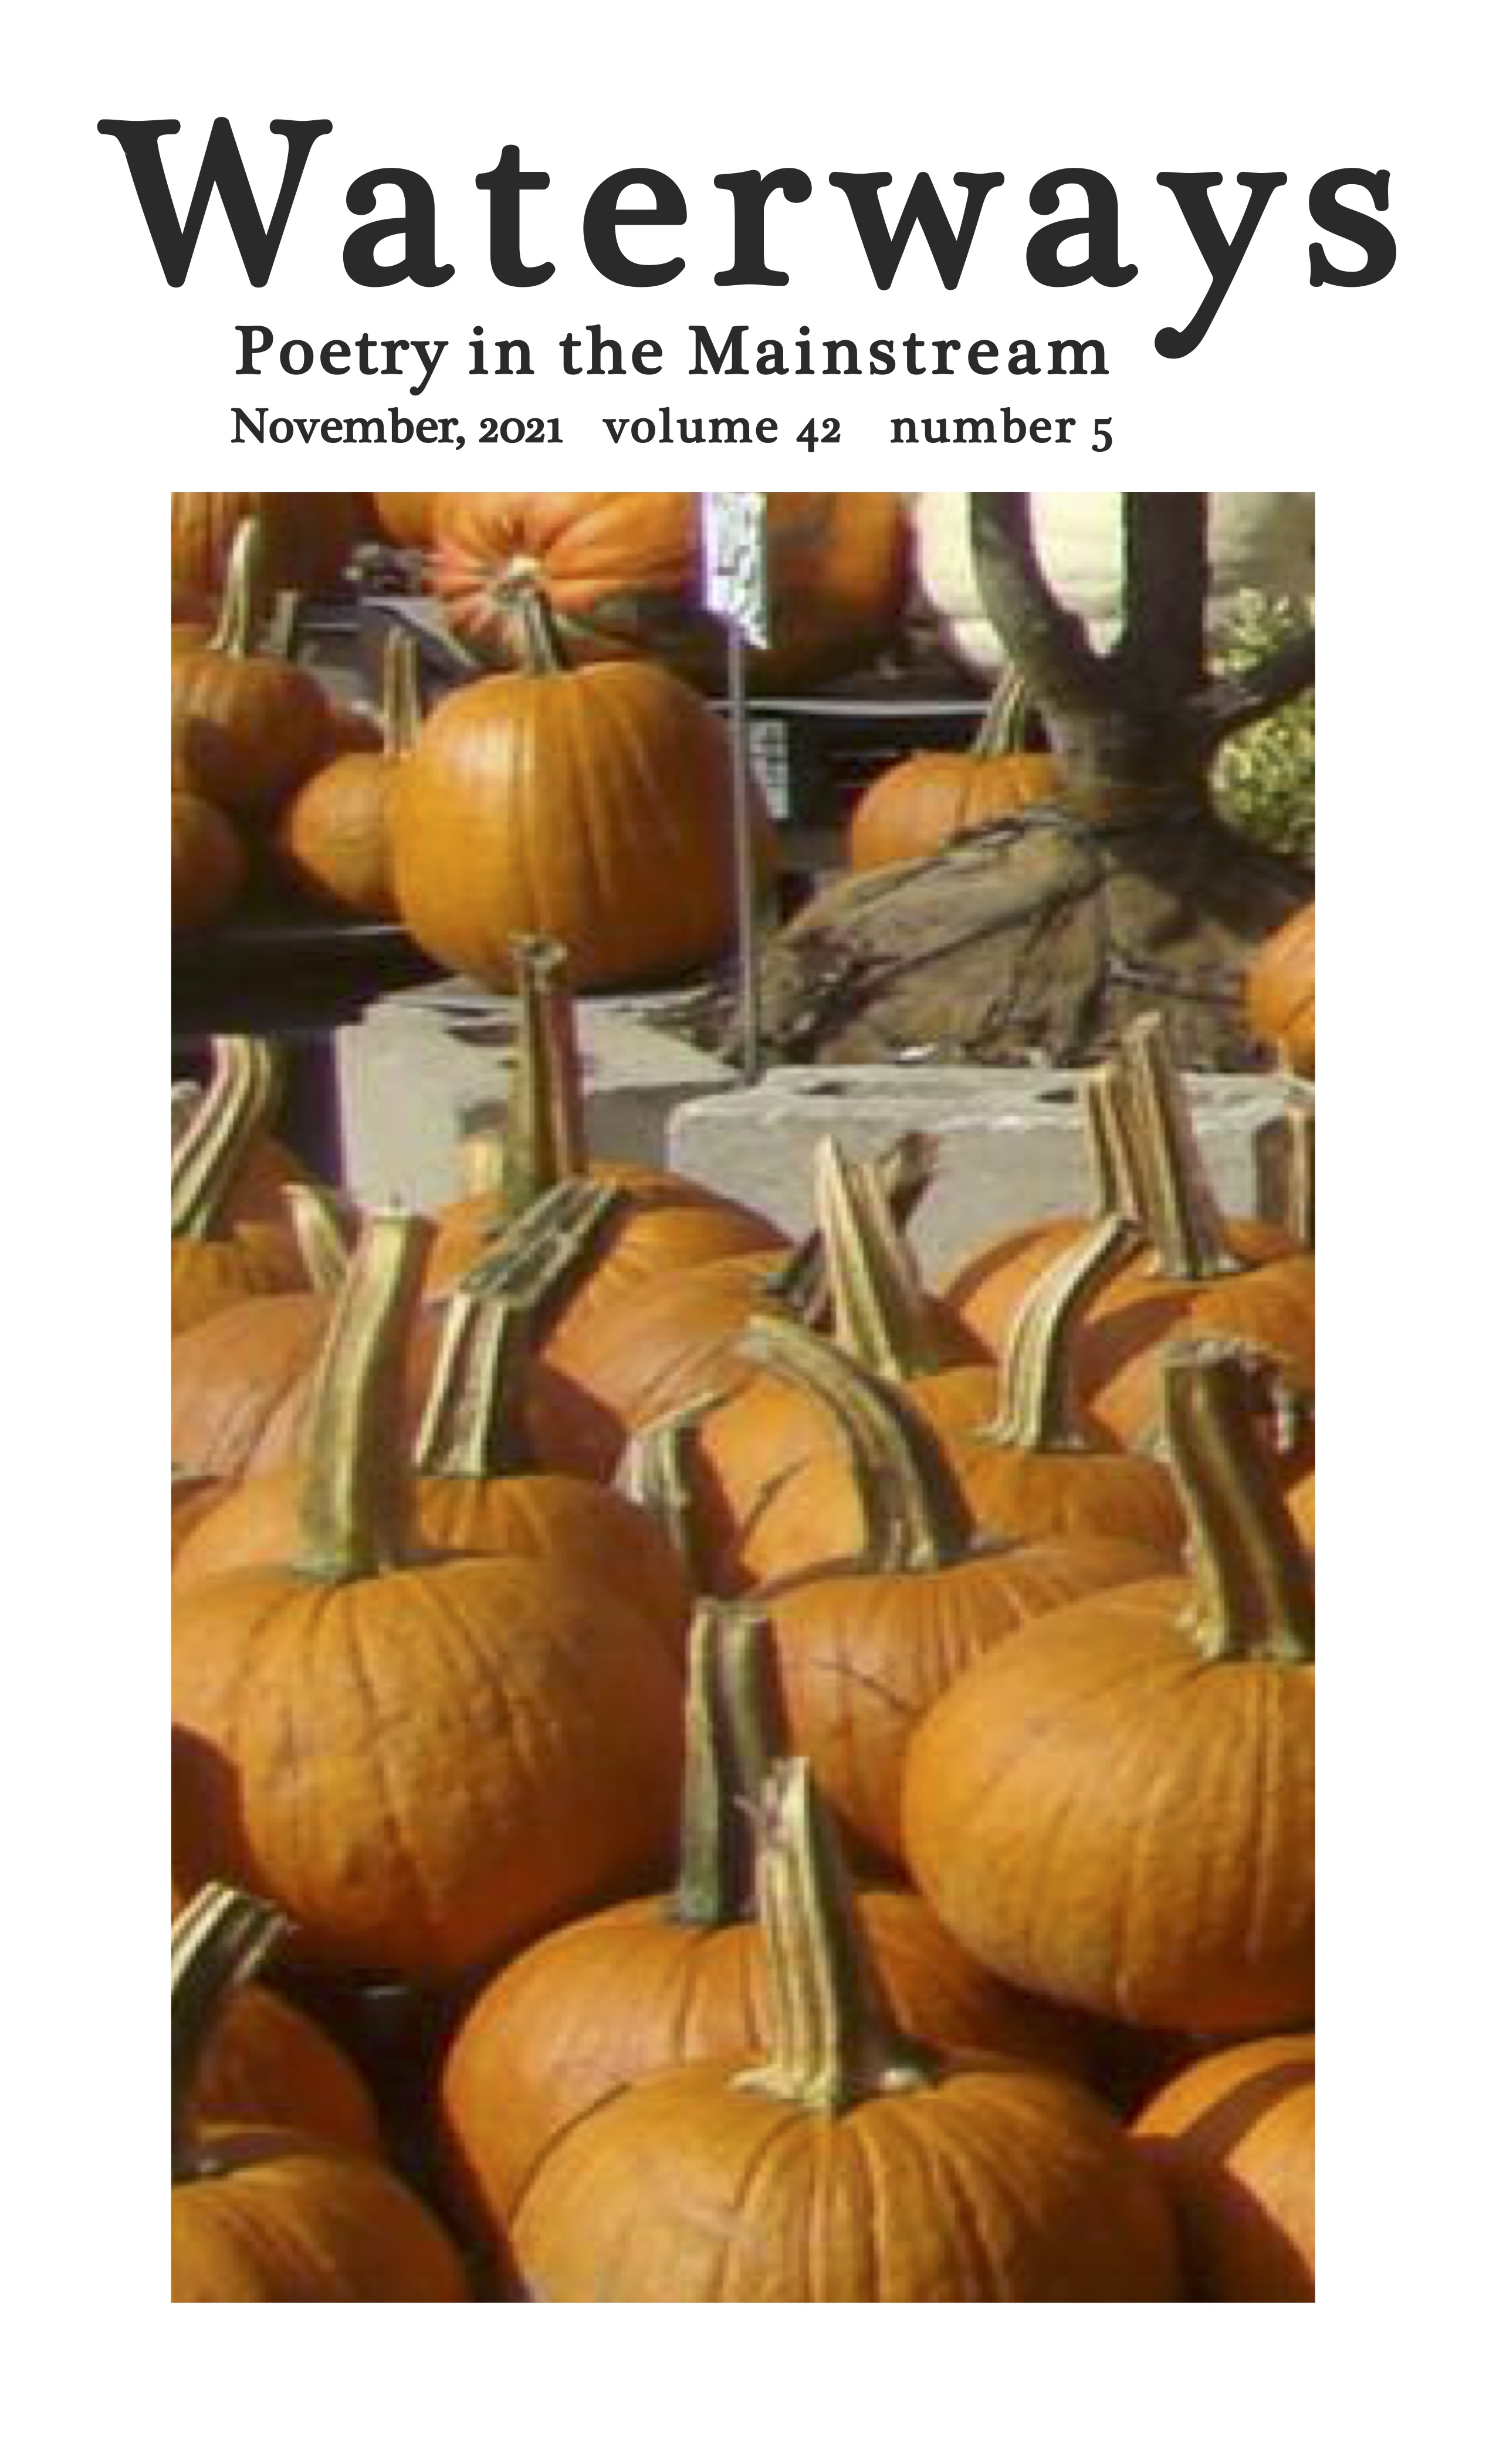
x=1011, y=1144
x=422, y=1070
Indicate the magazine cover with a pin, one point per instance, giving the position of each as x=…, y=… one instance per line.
x=742, y=1375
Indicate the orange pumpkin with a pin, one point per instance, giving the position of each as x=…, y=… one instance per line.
x=307, y=540
x=1233, y=2140
x=921, y=804
x=1280, y=992
x=252, y=726
x=333, y=838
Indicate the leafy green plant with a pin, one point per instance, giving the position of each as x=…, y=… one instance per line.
x=1263, y=776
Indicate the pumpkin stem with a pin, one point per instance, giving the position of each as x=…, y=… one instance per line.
x=234, y=635
x=801, y=1284
x=1184, y=1223
x=1253, y=1592
x=914, y=1513
x=1114, y=1170
x=657, y=1473
x=544, y=1141
x=218, y=1944
x=735, y=1727
x=1283, y=1154
x=1041, y=1411
x=1005, y=721
x=881, y=1312
x=354, y=1502
x=400, y=709
x=833, y=2041
x=240, y=1099
x=533, y=627
x=325, y=1227
x=538, y=1254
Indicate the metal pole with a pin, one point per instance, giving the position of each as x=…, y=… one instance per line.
x=744, y=869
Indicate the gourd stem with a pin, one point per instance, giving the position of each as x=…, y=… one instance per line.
x=536, y=1257
x=1004, y=722
x=733, y=1730
x=1284, y=1157
x=400, y=713
x=1253, y=1593
x=880, y=1312
x=354, y=1504
x=657, y=1473
x=915, y=1517
x=218, y=1944
x=324, y=1228
x=233, y=634
x=833, y=2041
x=1113, y=1170
x=544, y=1141
x=473, y=1426
x=536, y=635
x=1041, y=1410
x=1183, y=1225
x=240, y=1098
x=904, y=1171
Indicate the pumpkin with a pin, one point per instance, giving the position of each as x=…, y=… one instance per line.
x=622, y=573
x=231, y=1371
x=592, y=806
x=655, y=1982
x=425, y=1758
x=252, y=726
x=864, y=1645
x=1256, y=542
x=208, y=865
x=851, y=2162
x=1118, y=1808
x=214, y=1262
x=1280, y=992
x=406, y=520
x=307, y=540
x=266, y=2061
x=921, y=804
x=1233, y=2140
x=264, y=2213
x=259, y=1191
x=333, y=838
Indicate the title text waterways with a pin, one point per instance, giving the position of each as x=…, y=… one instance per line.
x=730, y=353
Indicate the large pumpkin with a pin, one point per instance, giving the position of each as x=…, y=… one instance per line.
x=593, y=806
x=624, y=575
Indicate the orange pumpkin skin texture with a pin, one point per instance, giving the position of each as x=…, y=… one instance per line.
x=208, y=864
x=607, y=2002
x=425, y=1769
x=296, y=2221
x=267, y=2063
x=1280, y=992
x=210, y=1275
x=593, y=806
x=920, y=804
x=1233, y=2140
x=254, y=728
x=230, y=1373
x=404, y=520
x=622, y=573
x=333, y=838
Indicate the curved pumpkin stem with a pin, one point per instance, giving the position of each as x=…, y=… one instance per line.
x=1184, y=1226
x=400, y=708
x=833, y=2041
x=735, y=1727
x=1283, y=1154
x=535, y=632
x=325, y=1227
x=546, y=1244
x=240, y=1100
x=218, y=1943
x=1041, y=1412
x=657, y=1473
x=903, y=1171
x=1253, y=1593
x=914, y=1515
x=354, y=1498
x=234, y=635
x=881, y=1312
x=1114, y=1168
x=1005, y=722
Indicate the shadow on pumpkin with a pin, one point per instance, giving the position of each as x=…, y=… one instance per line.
x=1235, y=2250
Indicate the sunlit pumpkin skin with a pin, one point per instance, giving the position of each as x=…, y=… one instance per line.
x=624, y=576
x=333, y=838
x=208, y=865
x=1280, y=992
x=193, y=1494
x=307, y=540
x=404, y=520
x=854, y=2161
x=921, y=804
x=267, y=2063
x=231, y=1373
x=1233, y=2139
x=290, y=2219
x=592, y=806
x=210, y=1275
x=1139, y=1770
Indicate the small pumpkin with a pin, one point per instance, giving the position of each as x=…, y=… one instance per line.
x=333, y=838
x=307, y=539
x=209, y=864
x=260, y=2212
x=231, y=1373
x=252, y=726
x=1280, y=992
x=1233, y=2139
x=919, y=804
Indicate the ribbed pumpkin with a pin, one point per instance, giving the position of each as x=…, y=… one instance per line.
x=864, y=1645
x=852, y=2162
x=1118, y=1808
x=215, y=1259
x=253, y=725
x=209, y=864
x=333, y=838
x=1233, y=2140
x=264, y=2213
x=1280, y=992
x=922, y=803
x=649, y=1984
x=266, y=2061
x=592, y=806
x=307, y=540
x=231, y=1373
x=622, y=573
x=426, y=1759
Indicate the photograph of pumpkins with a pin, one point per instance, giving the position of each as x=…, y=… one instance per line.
x=726, y=1747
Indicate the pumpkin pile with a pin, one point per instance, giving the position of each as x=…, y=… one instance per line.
x=704, y=1770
